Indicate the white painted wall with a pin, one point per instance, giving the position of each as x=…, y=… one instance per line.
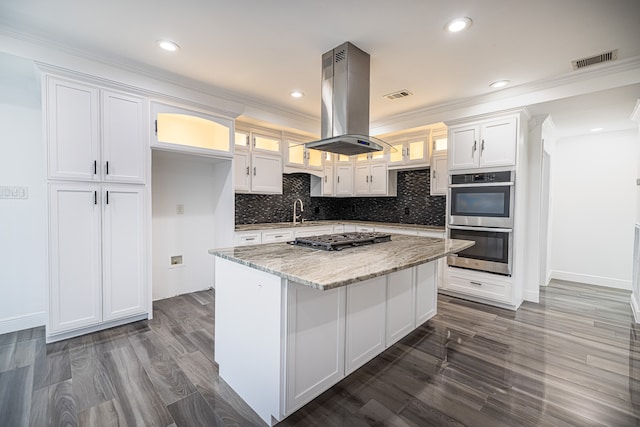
x=197, y=183
x=22, y=163
x=593, y=213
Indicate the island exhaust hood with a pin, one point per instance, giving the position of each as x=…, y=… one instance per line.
x=345, y=103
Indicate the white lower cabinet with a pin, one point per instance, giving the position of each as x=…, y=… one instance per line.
x=315, y=342
x=97, y=256
x=486, y=286
x=400, y=305
x=365, y=339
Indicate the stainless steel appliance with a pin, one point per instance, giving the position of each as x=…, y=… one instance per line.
x=481, y=207
x=492, y=252
x=337, y=242
x=482, y=199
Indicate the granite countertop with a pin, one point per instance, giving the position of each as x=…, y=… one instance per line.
x=273, y=225
x=332, y=269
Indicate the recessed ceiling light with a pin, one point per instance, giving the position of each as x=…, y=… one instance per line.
x=458, y=24
x=297, y=94
x=168, y=45
x=595, y=130
x=499, y=84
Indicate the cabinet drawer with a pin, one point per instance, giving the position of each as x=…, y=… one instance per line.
x=277, y=236
x=253, y=238
x=482, y=288
x=313, y=231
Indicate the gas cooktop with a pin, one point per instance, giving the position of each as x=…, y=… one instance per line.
x=339, y=241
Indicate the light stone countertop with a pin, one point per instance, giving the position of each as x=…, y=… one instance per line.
x=326, y=270
x=274, y=225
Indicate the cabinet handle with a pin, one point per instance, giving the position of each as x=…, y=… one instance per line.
x=338, y=179
x=408, y=151
x=95, y=167
x=482, y=147
x=247, y=141
x=434, y=175
x=254, y=142
x=95, y=197
x=325, y=178
x=370, y=178
x=475, y=147
x=249, y=238
x=367, y=178
x=476, y=283
x=107, y=167
x=278, y=236
x=107, y=200
x=254, y=171
x=248, y=170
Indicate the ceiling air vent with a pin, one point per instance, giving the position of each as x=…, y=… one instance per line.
x=398, y=94
x=597, y=59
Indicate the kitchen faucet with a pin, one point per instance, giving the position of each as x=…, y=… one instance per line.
x=295, y=217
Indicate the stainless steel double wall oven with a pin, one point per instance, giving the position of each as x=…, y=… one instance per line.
x=481, y=207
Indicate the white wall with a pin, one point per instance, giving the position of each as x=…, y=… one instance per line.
x=197, y=183
x=23, y=238
x=593, y=193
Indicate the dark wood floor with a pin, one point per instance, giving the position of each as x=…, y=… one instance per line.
x=572, y=360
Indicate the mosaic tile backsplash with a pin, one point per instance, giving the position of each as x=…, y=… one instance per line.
x=412, y=205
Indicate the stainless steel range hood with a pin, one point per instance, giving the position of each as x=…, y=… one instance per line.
x=345, y=103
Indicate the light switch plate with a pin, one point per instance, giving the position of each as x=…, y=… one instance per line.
x=14, y=192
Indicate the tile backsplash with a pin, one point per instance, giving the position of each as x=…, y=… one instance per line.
x=412, y=205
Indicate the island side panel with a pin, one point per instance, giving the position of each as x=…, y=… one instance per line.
x=426, y=291
x=248, y=330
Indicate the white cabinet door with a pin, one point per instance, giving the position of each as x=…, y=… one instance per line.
x=439, y=175
x=315, y=342
x=426, y=291
x=463, y=148
x=73, y=130
x=241, y=171
x=75, y=299
x=266, y=173
x=361, y=180
x=344, y=180
x=365, y=321
x=124, y=289
x=123, y=144
x=327, y=181
x=498, y=143
x=378, y=179
x=400, y=305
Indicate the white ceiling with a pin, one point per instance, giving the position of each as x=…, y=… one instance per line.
x=261, y=50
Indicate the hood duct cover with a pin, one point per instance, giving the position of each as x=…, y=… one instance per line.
x=345, y=103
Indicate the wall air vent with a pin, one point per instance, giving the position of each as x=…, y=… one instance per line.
x=398, y=94
x=341, y=55
x=597, y=59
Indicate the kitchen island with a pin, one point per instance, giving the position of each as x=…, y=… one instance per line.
x=293, y=321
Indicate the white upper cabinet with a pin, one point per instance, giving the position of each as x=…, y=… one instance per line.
x=123, y=148
x=302, y=158
x=73, y=130
x=94, y=134
x=439, y=176
x=409, y=152
x=487, y=144
x=257, y=162
x=344, y=179
x=190, y=131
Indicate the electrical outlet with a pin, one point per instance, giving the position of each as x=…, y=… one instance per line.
x=180, y=209
x=176, y=260
x=316, y=209
x=406, y=211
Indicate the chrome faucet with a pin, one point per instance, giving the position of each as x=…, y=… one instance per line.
x=295, y=217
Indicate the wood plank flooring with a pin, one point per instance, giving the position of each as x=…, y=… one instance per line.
x=572, y=360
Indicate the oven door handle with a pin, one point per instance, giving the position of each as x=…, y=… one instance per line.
x=484, y=184
x=497, y=230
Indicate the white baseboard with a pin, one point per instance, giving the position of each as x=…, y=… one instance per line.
x=635, y=308
x=608, y=282
x=18, y=323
